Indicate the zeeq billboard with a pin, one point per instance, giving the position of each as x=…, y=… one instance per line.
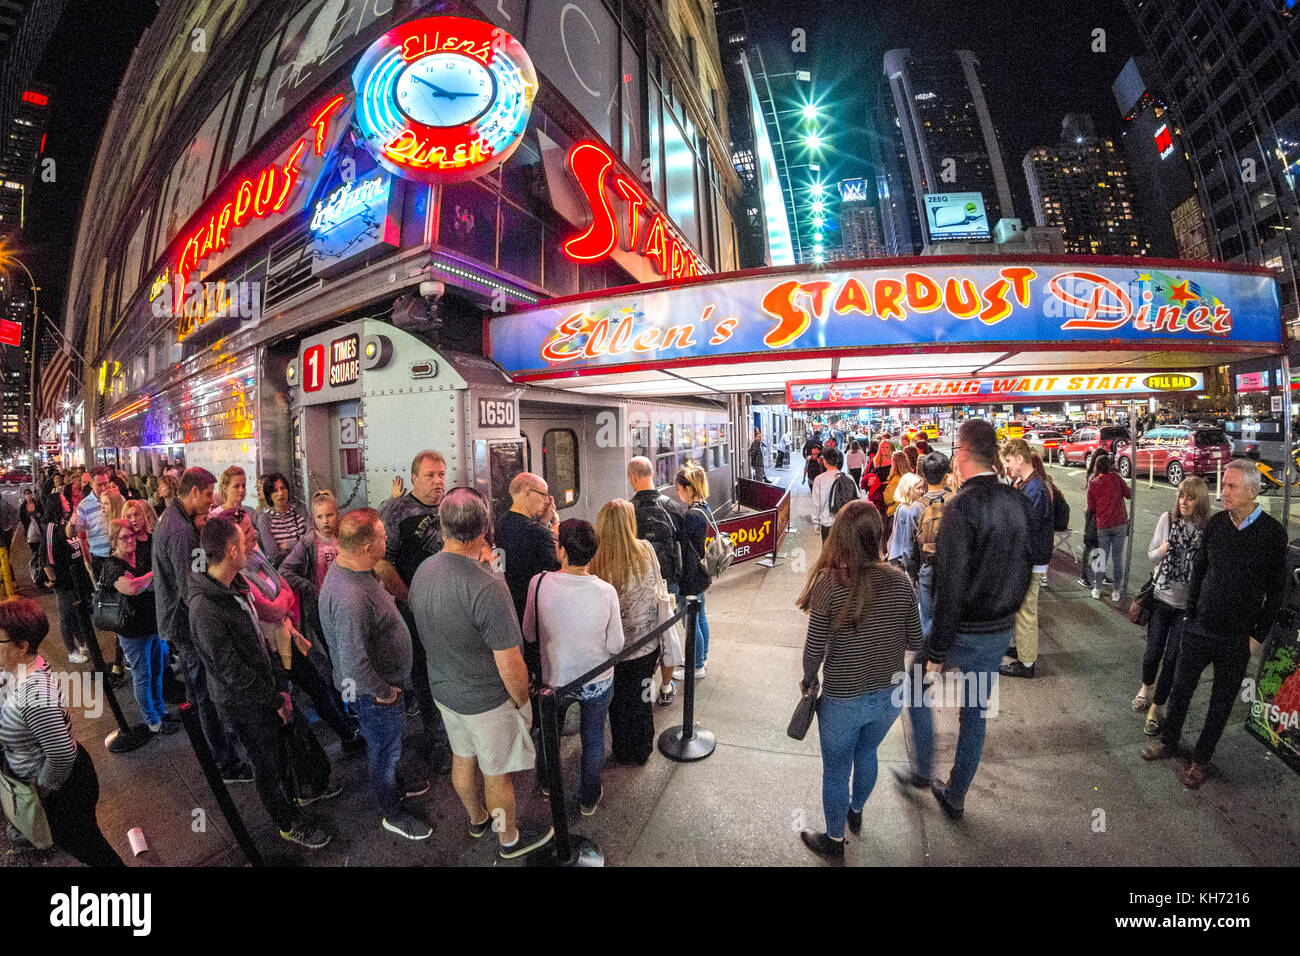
x=956, y=216
x=902, y=307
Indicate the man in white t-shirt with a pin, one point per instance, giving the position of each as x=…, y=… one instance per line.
x=823, y=510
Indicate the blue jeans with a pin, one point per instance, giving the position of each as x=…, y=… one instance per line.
x=146, y=656
x=592, y=713
x=215, y=730
x=925, y=597
x=1110, y=541
x=701, y=634
x=382, y=727
x=978, y=657
x=851, y=728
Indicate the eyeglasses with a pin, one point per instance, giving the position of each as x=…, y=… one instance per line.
x=539, y=492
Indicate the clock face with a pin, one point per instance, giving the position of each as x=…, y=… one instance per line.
x=445, y=89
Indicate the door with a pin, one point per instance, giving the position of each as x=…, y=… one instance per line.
x=347, y=457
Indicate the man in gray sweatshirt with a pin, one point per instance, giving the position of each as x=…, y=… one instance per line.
x=371, y=648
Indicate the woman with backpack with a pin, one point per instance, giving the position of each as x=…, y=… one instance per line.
x=693, y=489
x=862, y=616
x=1106, y=494
x=1173, y=548
x=1089, y=530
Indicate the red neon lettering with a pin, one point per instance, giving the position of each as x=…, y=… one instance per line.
x=1169, y=319
x=852, y=298
x=791, y=320
x=656, y=246
x=923, y=293
x=321, y=122
x=1197, y=319
x=889, y=292
x=223, y=223
x=290, y=171
x=262, y=195
x=627, y=189
x=243, y=201
x=589, y=164
x=961, y=298
x=31, y=96
x=678, y=258
x=998, y=308
x=1222, y=320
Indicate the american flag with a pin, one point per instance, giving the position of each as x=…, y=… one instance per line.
x=53, y=384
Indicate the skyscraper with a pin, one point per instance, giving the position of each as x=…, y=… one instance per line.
x=1082, y=185
x=859, y=225
x=948, y=135
x=1232, y=74
x=1163, y=187
x=20, y=149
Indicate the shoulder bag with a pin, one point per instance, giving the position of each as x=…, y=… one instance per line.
x=801, y=720
x=1139, y=610
x=111, y=610
x=672, y=640
x=22, y=805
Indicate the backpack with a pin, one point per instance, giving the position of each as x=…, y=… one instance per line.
x=927, y=526
x=842, y=492
x=672, y=548
x=814, y=468
x=1060, y=510
x=718, y=553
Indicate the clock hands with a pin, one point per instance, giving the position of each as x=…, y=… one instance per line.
x=438, y=90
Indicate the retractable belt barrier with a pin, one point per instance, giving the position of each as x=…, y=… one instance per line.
x=127, y=737
x=574, y=850
x=211, y=773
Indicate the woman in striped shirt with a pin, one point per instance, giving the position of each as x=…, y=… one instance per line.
x=36, y=737
x=282, y=523
x=862, y=616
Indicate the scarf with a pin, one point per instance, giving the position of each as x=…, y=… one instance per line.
x=1176, y=566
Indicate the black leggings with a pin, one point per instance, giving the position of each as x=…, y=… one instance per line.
x=631, y=716
x=326, y=700
x=71, y=813
x=1164, y=635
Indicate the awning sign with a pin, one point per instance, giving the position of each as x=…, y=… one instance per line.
x=859, y=393
x=899, y=307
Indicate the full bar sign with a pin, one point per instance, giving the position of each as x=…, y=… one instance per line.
x=345, y=365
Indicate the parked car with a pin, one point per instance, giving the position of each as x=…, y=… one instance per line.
x=1087, y=441
x=1011, y=430
x=1175, y=451
x=1045, y=442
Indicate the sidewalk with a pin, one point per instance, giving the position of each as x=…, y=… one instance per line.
x=1061, y=781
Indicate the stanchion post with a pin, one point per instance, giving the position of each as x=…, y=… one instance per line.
x=1151, y=470
x=208, y=764
x=1218, y=480
x=686, y=742
x=568, y=849
x=126, y=737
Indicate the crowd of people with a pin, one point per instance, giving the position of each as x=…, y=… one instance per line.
x=426, y=608
x=954, y=584
x=431, y=608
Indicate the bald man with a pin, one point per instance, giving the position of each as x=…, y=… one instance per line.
x=526, y=535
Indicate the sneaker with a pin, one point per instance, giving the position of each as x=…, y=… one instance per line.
x=407, y=825
x=77, y=657
x=589, y=810
x=476, y=830
x=239, y=773
x=1084, y=583
x=1096, y=594
x=331, y=790
x=679, y=673
x=1114, y=597
x=412, y=707
x=530, y=839
x=667, y=694
x=164, y=728
x=307, y=834
x=701, y=671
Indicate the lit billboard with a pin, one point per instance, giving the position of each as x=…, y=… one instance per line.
x=956, y=216
x=853, y=190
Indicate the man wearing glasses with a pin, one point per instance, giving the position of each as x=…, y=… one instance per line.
x=526, y=536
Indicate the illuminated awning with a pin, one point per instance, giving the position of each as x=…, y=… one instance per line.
x=948, y=316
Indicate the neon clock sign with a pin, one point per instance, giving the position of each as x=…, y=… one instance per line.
x=444, y=99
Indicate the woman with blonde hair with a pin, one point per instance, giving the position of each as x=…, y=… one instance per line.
x=907, y=501
x=901, y=466
x=232, y=488
x=630, y=565
x=693, y=490
x=1173, y=549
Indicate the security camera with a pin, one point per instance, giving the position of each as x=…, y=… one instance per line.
x=432, y=290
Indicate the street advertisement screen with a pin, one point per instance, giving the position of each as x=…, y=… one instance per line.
x=1275, y=711
x=956, y=216
x=901, y=306
x=853, y=190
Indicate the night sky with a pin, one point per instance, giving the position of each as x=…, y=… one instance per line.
x=1035, y=57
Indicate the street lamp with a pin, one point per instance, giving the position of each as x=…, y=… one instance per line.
x=809, y=111
x=813, y=141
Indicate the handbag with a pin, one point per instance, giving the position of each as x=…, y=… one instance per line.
x=306, y=765
x=1139, y=610
x=802, y=717
x=673, y=639
x=22, y=805
x=111, y=610
x=719, y=552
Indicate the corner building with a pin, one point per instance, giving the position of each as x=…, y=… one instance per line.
x=235, y=212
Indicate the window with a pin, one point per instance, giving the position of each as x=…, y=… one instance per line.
x=560, y=466
x=467, y=221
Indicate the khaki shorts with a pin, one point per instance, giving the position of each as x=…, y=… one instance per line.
x=498, y=738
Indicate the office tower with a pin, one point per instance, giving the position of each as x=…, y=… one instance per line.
x=1082, y=185
x=1231, y=72
x=20, y=148
x=742, y=119
x=1161, y=175
x=948, y=136
x=859, y=223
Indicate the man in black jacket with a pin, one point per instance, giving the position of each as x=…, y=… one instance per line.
x=176, y=555
x=1237, y=587
x=982, y=569
x=226, y=637
x=659, y=521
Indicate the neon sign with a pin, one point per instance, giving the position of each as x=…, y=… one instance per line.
x=444, y=99
x=254, y=197
x=1164, y=141
x=349, y=200
x=590, y=164
x=38, y=99
x=862, y=393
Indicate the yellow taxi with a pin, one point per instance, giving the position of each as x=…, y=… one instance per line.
x=1009, y=430
x=930, y=430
